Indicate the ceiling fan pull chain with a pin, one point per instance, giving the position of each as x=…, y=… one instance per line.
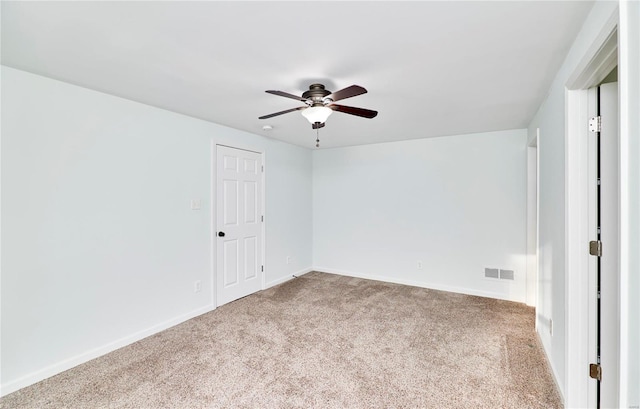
x=317, y=137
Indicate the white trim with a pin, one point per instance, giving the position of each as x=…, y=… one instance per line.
x=597, y=62
x=69, y=363
x=553, y=370
x=242, y=148
x=263, y=155
x=629, y=65
x=532, y=223
x=288, y=277
x=413, y=283
x=538, y=225
x=213, y=223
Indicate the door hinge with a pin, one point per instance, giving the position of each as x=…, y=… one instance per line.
x=262, y=268
x=595, y=371
x=262, y=167
x=595, y=248
x=262, y=218
x=595, y=124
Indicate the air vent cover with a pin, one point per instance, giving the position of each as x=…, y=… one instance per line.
x=491, y=273
x=506, y=274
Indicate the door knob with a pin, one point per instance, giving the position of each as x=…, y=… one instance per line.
x=221, y=234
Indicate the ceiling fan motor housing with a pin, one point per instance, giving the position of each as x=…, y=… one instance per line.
x=316, y=95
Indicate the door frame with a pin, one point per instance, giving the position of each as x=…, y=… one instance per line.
x=607, y=98
x=533, y=216
x=598, y=61
x=214, y=213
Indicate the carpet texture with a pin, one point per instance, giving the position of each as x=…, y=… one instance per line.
x=322, y=341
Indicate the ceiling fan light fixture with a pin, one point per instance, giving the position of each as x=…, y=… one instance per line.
x=316, y=114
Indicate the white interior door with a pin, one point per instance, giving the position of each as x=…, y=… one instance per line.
x=604, y=226
x=610, y=233
x=239, y=266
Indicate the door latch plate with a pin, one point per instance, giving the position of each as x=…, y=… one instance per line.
x=595, y=371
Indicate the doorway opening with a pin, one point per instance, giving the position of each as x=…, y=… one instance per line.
x=532, y=221
x=604, y=234
x=581, y=212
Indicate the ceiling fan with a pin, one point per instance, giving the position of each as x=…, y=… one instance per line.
x=319, y=104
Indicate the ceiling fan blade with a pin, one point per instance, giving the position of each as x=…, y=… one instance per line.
x=348, y=92
x=366, y=113
x=282, y=112
x=286, y=94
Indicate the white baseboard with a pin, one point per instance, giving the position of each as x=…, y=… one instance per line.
x=37, y=376
x=554, y=373
x=440, y=287
x=69, y=363
x=62, y=366
x=288, y=277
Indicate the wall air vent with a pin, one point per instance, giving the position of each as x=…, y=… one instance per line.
x=491, y=273
x=499, y=274
x=506, y=274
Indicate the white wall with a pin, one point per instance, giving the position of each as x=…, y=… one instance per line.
x=99, y=244
x=288, y=219
x=457, y=204
x=551, y=234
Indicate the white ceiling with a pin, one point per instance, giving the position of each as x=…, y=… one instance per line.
x=431, y=68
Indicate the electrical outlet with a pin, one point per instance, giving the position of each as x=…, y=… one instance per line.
x=288, y=259
x=197, y=286
x=419, y=265
x=195, y=204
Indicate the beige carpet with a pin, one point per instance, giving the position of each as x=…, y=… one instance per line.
x=322, y=341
